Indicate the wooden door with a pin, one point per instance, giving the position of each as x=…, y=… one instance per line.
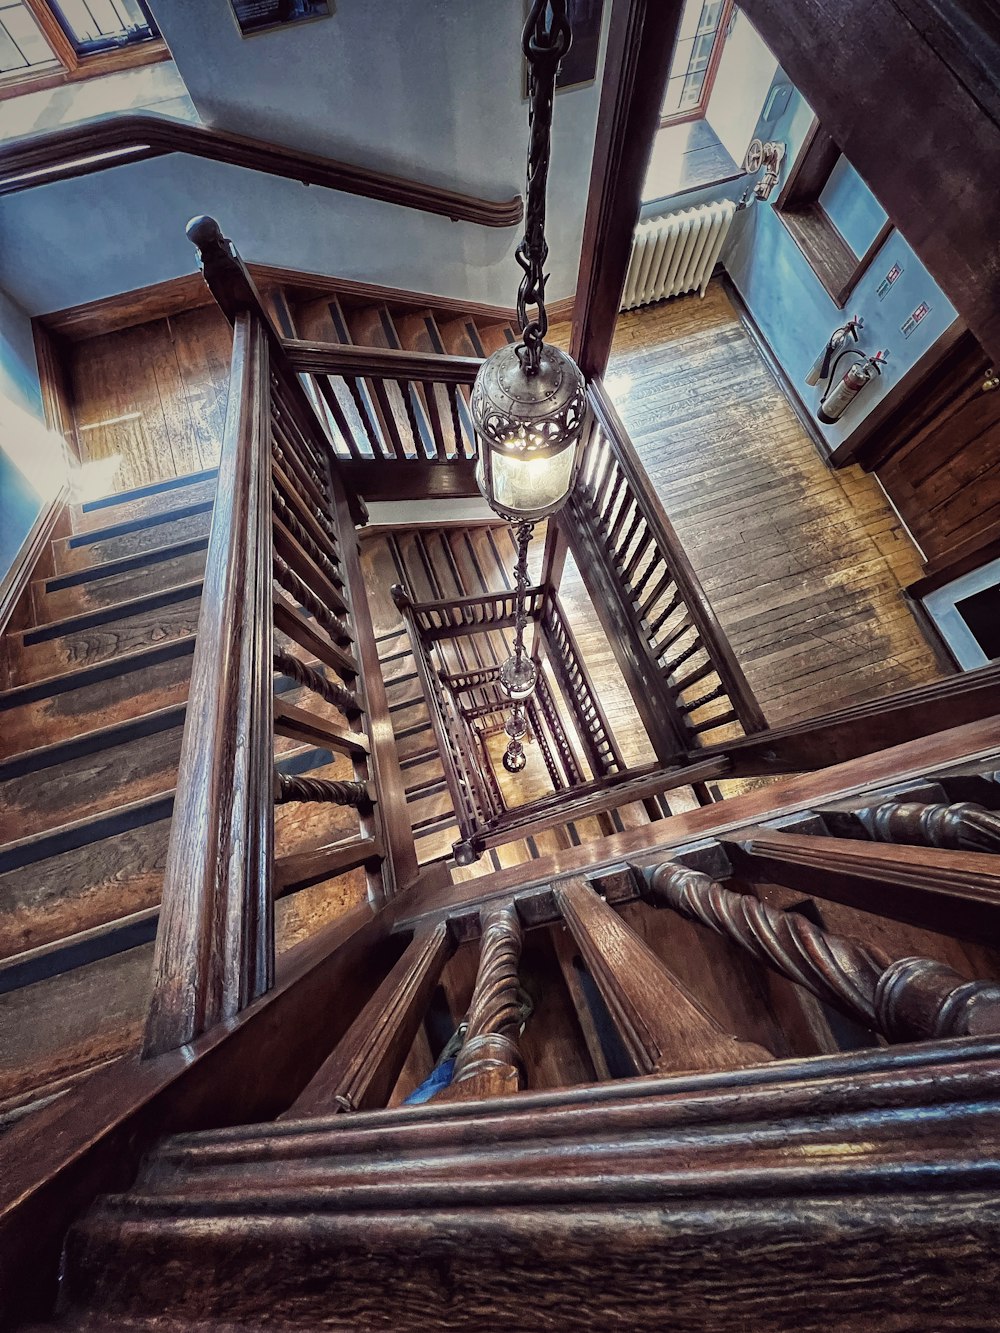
x=942, y=471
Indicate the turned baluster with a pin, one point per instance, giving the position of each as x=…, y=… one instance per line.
x=489, y=1063
x=312, y=679
x=961, y=826
x=904, y=1000
x=292, y=787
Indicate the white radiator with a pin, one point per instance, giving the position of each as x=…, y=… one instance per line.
x=676, y=253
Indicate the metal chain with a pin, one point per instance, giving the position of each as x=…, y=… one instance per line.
x=544, y=44
x=522, y=537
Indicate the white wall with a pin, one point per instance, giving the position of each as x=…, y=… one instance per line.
x=741, y=85
x=423, y=88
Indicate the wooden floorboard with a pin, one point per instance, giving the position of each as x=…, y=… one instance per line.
x=150, y=401
x=803, y=565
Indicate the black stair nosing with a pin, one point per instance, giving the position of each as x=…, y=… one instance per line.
x=422, y=790
x=131, y=525
x=89, y=946
x=91, y=742
x=82, y=832
x=421, y=757
x=91, y=675
x=154, y=488
x=123, y=818
x=105, y=615
x=123, y=565
x=413, y=730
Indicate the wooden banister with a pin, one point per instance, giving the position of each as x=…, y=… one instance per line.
x=117, y=140
x=319, y=358
x=214, y=946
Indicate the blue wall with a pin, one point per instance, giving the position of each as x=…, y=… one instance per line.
x=793, y=310
x=788, y=302
x=21, y=495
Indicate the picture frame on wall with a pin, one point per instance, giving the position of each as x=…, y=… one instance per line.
x=579, y=66
x=256, y=16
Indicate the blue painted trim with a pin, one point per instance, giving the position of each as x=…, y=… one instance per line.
x=115, y=666
x=92, y=742
x=70, y=837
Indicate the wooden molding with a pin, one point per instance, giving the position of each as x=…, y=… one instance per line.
x=189, y=292
x=15, y=582
x=115, y=140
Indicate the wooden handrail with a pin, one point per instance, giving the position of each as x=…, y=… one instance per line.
x=320, y=358
x=117, y=140
x=215, y=945
x=860, y=729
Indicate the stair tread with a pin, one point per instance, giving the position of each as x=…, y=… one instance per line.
x=114, y=581
x=97, y=516
x=104, y=634
x=118, y=541
x=167, y=487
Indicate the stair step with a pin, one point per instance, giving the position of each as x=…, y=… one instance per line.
x=83, y=875
x=494, y=336
x=147, y=502
x=104, y=634
x=80, y=701
x=45, y=788
x=120, y=580
x=121, y=540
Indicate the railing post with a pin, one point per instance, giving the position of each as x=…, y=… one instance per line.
x=215, y=945
x=661, y=1026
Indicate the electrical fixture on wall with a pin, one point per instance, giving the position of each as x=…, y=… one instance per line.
x=529, y=399
x=766, y=158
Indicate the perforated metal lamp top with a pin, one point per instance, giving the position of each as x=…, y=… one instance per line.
x=530, y=416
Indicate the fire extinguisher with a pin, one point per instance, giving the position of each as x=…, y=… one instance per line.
x=820, y=368
x=839, y=396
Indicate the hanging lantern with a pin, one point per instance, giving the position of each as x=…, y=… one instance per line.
x=529, y=399
x=528, y=424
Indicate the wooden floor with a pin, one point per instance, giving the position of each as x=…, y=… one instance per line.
x=150, y=401
x=803, y=565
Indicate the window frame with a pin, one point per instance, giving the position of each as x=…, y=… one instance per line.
x=697, y=112
x=71, y=64
x=797, y=206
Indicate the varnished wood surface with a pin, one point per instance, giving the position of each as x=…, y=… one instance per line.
x=153, y=396
x=802, y=565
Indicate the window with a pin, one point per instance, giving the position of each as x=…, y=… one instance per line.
x=833, y=217
x=45, y=42
x=700, y=40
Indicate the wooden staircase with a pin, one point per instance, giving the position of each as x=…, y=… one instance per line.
x=465, y=561
x=91, y=719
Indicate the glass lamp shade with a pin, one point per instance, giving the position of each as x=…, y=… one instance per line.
x=528, y=428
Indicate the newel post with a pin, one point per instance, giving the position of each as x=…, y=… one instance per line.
x=215, y=942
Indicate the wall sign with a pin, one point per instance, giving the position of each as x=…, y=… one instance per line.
x=885, y=286
x=254, y=16
x=911, y=322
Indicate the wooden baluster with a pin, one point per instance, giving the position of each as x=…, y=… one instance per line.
x=290, y=620
x=339, y=415
x=962, y=825
x=957, y=893
x=312, y=679
x=317, y=551
x=489, y=1063
x=363, y=1070
x=905, y=1000
x=456, y=425
x=337, y=628
x=361, y=407
x=440, y=450
x=663, y=1028
x=292, y=787
x=295, y=554
x=214, y=945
